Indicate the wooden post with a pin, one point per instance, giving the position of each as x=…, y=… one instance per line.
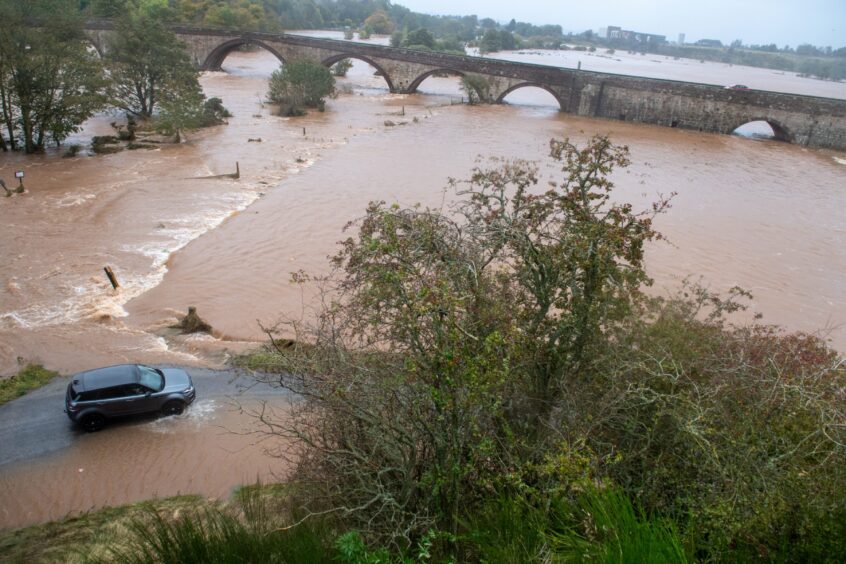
x=112, y=277
x=237, y=171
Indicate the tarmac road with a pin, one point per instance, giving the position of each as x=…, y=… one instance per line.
x=35, y=425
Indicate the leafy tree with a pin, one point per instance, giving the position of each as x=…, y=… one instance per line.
x=301, y=84
x=448, y=331
x=477, y=87
x=148, y=65
x=419, y=37
x=379, y=22
x=50, y=82
x=491, y=42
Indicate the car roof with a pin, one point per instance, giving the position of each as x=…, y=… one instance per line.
x=106, y=377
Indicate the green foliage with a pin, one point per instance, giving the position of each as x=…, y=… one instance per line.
x=215, y=535
x=351, y=549
x=739, y=430
x=478, y=89
x=49, y=80
x=341, y=67
x=150, y=69
x=497, y=40
x=301, y=84
x=605, y=528
x=85, y=537
x=598, y=524
x=419, y=37
x=379, y=22
x=31, y=377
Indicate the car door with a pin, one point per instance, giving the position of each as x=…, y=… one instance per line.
x=137, y=399
x=111, y=401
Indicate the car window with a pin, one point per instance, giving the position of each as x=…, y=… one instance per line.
x=108, y=393
x=151, y=378
x=134, y=390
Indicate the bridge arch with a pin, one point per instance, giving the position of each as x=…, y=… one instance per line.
x=329, y=61
x=215, y=59
x=501, y=98
x=419, y=80
x=780, y=132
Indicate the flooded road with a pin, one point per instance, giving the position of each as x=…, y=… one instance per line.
x=767, y=216
x=50, y=469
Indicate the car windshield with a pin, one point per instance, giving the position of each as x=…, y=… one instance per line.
x=151, y=378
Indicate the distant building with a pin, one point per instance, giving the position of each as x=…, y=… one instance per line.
x=681, y=39
x=709, y=43
x=616, y=33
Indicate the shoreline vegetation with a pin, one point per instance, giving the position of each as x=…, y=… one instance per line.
x=29, y=378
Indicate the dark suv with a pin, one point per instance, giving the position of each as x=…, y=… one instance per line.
x=126, y=389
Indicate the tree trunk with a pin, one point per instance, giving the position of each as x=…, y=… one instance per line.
x=6, y=102
x=26, y=122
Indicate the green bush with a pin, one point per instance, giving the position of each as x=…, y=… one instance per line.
x=737, y=433
x=299, y=85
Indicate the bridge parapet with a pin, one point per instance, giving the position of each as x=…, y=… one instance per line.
x=807, y=120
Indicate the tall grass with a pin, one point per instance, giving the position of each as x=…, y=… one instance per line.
x=218, y=535
x=601, y=525
x=611, y=531
x=29, y=378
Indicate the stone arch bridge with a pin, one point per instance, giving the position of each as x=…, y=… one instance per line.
x=805, y=120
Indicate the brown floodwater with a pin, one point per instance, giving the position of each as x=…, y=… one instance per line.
x=764, y=215
x=209, y=450
x=767, y=216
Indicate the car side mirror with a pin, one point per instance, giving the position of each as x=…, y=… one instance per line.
x=148, y=394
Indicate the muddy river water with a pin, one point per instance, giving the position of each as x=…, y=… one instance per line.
x=767, y=216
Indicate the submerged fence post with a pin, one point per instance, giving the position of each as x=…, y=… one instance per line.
x=112, y=277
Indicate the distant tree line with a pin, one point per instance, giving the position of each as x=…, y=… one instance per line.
x=821, y=62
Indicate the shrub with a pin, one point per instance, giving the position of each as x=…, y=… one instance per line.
x=477, y=87
x=341, y=67
x=739, y=430
x=301, y=84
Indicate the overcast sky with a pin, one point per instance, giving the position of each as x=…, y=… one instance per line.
x=784, y=22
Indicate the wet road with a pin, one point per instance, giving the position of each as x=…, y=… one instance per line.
x=50, y=469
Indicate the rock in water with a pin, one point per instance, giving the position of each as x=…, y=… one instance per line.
x=192, y=323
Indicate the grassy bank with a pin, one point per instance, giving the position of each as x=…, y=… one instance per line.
x=87, y=536
x=31, y=377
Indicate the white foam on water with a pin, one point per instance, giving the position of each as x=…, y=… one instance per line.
x=195, y=416
x=74, y=200
x=94, y=299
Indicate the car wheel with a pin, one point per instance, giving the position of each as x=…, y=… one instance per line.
x=93, y=422
x=173, y=408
